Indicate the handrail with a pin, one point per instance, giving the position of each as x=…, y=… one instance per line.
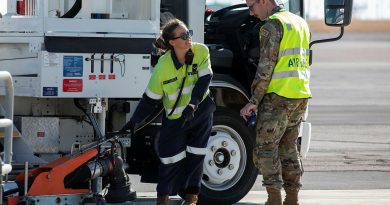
x=9, y=113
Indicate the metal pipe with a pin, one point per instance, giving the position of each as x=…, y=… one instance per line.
x=5, y=123
x=34, y=7
x=31, y=7
x=9, y=114
x=102, y=126
x=329, y=39
x=25, y=178
x=1, y=183
x=102, y=116
x=324, y=41
x=27, y=7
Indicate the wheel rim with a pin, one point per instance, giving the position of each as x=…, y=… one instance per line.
x=225, y=159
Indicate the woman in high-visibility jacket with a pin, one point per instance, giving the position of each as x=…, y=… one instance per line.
x=180, y=81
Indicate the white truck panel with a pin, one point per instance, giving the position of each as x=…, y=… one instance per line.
x=71, y=75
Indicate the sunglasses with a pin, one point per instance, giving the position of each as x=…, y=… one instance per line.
x=185, y=36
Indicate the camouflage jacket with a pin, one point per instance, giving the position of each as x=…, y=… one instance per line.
x=270, y=36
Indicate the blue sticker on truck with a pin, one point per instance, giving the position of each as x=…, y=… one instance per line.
x=73, y=66
x=50, y=91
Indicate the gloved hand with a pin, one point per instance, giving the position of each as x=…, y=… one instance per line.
x=129, y=126
x=187, y=114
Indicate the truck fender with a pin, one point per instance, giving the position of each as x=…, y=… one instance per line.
x=228, y=94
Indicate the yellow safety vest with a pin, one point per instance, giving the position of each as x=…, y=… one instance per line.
x=166, y=80
x=291, y=74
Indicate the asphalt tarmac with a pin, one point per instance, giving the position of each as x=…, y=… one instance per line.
x=349, y=158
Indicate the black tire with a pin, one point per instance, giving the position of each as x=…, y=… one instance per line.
x=233, y=182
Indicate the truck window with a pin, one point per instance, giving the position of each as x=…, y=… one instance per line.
x=174, y=8
x=294, y=6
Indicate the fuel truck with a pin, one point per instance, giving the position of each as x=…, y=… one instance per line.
x=72, y=73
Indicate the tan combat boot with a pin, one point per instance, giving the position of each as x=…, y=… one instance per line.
x=162, y=200
x=291, y=197
x=190, y=199
x=274, y=197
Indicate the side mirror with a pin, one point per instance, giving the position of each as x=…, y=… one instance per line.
x=338, y=12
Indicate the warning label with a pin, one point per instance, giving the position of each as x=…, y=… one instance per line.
x=92, y=77
x=111, y=77
x=73, y=66
x=50, y=91
x=72, y=85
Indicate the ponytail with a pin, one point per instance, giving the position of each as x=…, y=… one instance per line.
x=161, y=46
x=162, y=42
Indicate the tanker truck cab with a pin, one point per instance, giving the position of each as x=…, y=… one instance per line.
x=73, y=59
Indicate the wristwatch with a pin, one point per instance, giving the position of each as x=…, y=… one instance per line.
x=253, y=101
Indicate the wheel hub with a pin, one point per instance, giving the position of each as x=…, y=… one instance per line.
x=219, y=158
x=222, y=158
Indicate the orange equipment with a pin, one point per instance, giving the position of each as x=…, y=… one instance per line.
x=49, y=179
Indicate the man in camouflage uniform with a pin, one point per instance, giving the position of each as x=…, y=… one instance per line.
x=280, y=94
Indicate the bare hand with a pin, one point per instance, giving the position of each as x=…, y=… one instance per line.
x=247, y=110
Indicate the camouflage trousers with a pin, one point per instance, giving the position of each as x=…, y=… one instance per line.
x=275, y=153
